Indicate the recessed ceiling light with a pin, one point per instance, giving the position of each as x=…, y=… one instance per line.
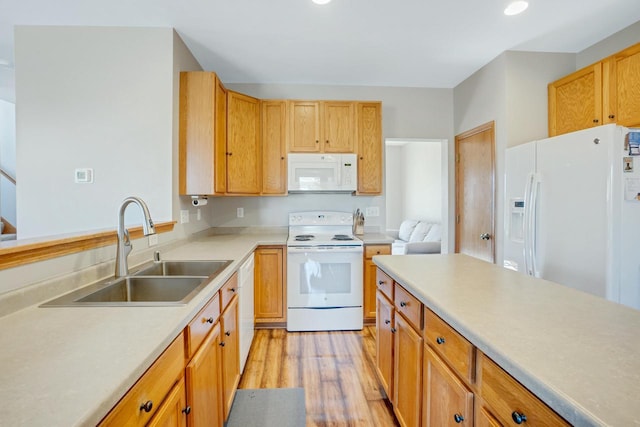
x=321, y=1
x=516, y=7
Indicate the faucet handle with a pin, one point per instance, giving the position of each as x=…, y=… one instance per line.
x=156, y=256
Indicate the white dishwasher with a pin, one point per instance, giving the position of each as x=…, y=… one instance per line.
x=245, y=312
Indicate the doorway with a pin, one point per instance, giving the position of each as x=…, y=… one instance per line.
x=475, y=192
x=416, y=183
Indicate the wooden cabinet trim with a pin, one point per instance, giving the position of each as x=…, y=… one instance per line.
x=203, y=323
x=409, y=306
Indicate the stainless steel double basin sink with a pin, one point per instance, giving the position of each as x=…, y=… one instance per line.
x=162, y=283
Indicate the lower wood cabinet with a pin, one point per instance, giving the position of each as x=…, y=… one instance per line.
x=384, y=342
x=174, y=410
x=230, y=344
x=270, y=303
x=407, y=373
x=369, y=279
x=446, y=399
x=204, y=382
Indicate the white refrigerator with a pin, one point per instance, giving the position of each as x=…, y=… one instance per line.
x=573, y=212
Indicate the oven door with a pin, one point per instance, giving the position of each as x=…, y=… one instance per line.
x=324, y=277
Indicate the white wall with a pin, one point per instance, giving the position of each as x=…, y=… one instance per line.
x=414, y=181
x=615, y=43
x=406, y=113
x=94, y=97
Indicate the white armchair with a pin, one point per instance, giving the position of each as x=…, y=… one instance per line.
x=417, y=237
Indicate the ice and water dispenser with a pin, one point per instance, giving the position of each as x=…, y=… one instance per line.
x=516, y=220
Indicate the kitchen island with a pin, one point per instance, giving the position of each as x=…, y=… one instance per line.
x=578, y=353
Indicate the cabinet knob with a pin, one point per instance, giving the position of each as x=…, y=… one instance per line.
x=228, y=333
x=327, y=141
x=146, y=406
x=361, y=158
x=380, y=282
x=281, y=157
x=403, y=304
x=458, y=418
x=611, y=116
x=210, y=320
x=232, y=289
x=518, y=418
x=187, y=410
x=595, y=120
x=393, y=330
x=440, y=340
x=386, y=322
x=377, y=252
x=222, y=344
x=317, y=142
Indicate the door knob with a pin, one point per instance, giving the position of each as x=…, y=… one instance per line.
x=485, y=236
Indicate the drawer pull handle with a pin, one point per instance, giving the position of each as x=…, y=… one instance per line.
x=228, y=333
x=210, y=320
x=146, y=406
x=187, y=410
x=380, y=282
x=222, y=344
x=440, y=340
x=403, y=304
x=518, y=418
x=611, y=116
x=458, y=418
x=386, y=322
x=393, y=330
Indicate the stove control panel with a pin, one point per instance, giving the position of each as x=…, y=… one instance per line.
x=320, y=218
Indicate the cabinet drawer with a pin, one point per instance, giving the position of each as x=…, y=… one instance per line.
x=372, y=250
x=202, y=324
x=509, y=399
x=409, y=306
x=229, y=290
x=449, y=344
x=150, y=390
x=385, y=284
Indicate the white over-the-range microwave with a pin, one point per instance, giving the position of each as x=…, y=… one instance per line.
x=310, y=172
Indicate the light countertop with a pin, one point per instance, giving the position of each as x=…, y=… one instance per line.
x=375, y=239
x=578, y=353
x=67, y=366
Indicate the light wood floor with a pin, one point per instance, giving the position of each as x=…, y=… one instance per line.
x=336, y=369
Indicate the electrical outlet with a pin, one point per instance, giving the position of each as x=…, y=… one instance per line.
x=372, y=211
x=240, y=212
x=198, y=215
x=153, y=240
x=184, y=216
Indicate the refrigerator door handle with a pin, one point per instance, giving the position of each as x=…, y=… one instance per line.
x=527, y=214
x=533, y=221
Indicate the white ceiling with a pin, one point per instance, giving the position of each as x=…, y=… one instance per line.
x=411, y=43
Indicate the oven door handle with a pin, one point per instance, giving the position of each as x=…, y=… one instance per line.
x=316, y=249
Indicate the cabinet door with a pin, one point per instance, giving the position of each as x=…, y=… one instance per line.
x=622, y=91
x=202, y=133
x=446, y=400
x=173, y=411
x=204, y=382
x=305, y=127
x=407, y=373
x=269, y=285
x=369, y=147
x=244, y=166
x=575, y=101
x=274, y=147
x=384, y=342
x=484, y=418
x=338, y=131
x=230, y=354
x=369, y=278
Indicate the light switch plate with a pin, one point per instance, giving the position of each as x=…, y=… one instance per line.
x=184, y=216
x=240, y=212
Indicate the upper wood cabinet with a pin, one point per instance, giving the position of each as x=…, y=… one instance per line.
x=369, y=136
x=605, y=92
x=622, y=95
x=244, y=165
x=305, y=127
x=274, y=147
x=322, y=127
x=203, y=127
x=575, y=101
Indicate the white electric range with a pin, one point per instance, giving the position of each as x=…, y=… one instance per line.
x=324, y=272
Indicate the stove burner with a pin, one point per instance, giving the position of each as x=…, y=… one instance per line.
x=342, y=237
x=304, y=237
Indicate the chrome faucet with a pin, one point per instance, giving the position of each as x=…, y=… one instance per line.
x=124, y=243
